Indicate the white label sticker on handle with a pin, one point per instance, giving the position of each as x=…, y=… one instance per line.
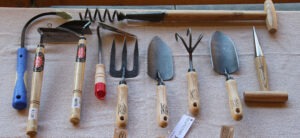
x=182, y=127
x=32, y=114
x=76, y=102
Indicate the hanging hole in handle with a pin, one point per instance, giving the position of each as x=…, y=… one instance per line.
x=122, y=118
x=21, y=56
x=18, y=96
x=195, y=104
x=165, y=118
x=237, y=110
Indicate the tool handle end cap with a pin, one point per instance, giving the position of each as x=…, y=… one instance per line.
x=19, y=104
x=100, y=90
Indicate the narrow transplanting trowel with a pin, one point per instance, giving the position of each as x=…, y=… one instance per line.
x=160, y=68
x=225, y=61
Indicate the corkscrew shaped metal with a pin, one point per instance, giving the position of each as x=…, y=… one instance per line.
x=99, y=16
x=119, y=16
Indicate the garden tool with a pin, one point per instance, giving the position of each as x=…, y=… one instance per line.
x=225, y=61
x=268, y=15
x=160, y=68
x=192, y=77
x=48, y=35
x=100, y=86
x=122, y=104
x=79, y=28
x=19, y=100
x=264, y=95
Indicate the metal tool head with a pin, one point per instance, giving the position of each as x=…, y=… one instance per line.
x=190, y=49
x=110, y=28
x=116, y=30
x=160, y=60
x=77, y=26
x=124, y=72
x=56, y=35
x=258, y=51
x=224, y=57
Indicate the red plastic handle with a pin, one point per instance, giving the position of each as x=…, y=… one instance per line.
x=100, y=90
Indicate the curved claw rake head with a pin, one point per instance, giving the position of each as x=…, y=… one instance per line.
x=189, y=48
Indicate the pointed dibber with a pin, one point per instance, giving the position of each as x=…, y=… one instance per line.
x=264, y=95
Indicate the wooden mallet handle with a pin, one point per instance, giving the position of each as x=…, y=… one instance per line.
x=234, y=100
x=100, y=84
x=78, y=81
x=266, y=96
x=271, y=19
x=122, y=106
x=193, y=92
x=162, y=106
x=36, y=87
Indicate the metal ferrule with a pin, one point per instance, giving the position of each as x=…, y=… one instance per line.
x=41, y=45
x=147, y=16
x=82, y=37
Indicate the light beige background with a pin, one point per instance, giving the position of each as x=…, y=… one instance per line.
x=281, y=49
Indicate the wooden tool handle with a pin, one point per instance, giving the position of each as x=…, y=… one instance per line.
x=193, y=92
x=122, y=107
x=120, y=133
x=162, y=106
x=234, y=100
x=266, y=96
x=100, y=87
x=227, y=132
x=36, y=87
x=78, y=81
x=262, y=73
x=219, y=15
x=271, y=19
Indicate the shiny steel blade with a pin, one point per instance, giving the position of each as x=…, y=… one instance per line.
x=258, y=51
x=160, y=59
x=224, y=57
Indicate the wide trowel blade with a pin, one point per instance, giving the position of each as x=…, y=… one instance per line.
x=160, y=59
x=54, y=35
x=223, y=54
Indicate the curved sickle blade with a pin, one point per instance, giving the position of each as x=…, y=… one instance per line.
x=223, y=54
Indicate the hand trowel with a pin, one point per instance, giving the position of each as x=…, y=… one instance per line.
x=225, y=61
x=48, y=35
x=160, y=68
